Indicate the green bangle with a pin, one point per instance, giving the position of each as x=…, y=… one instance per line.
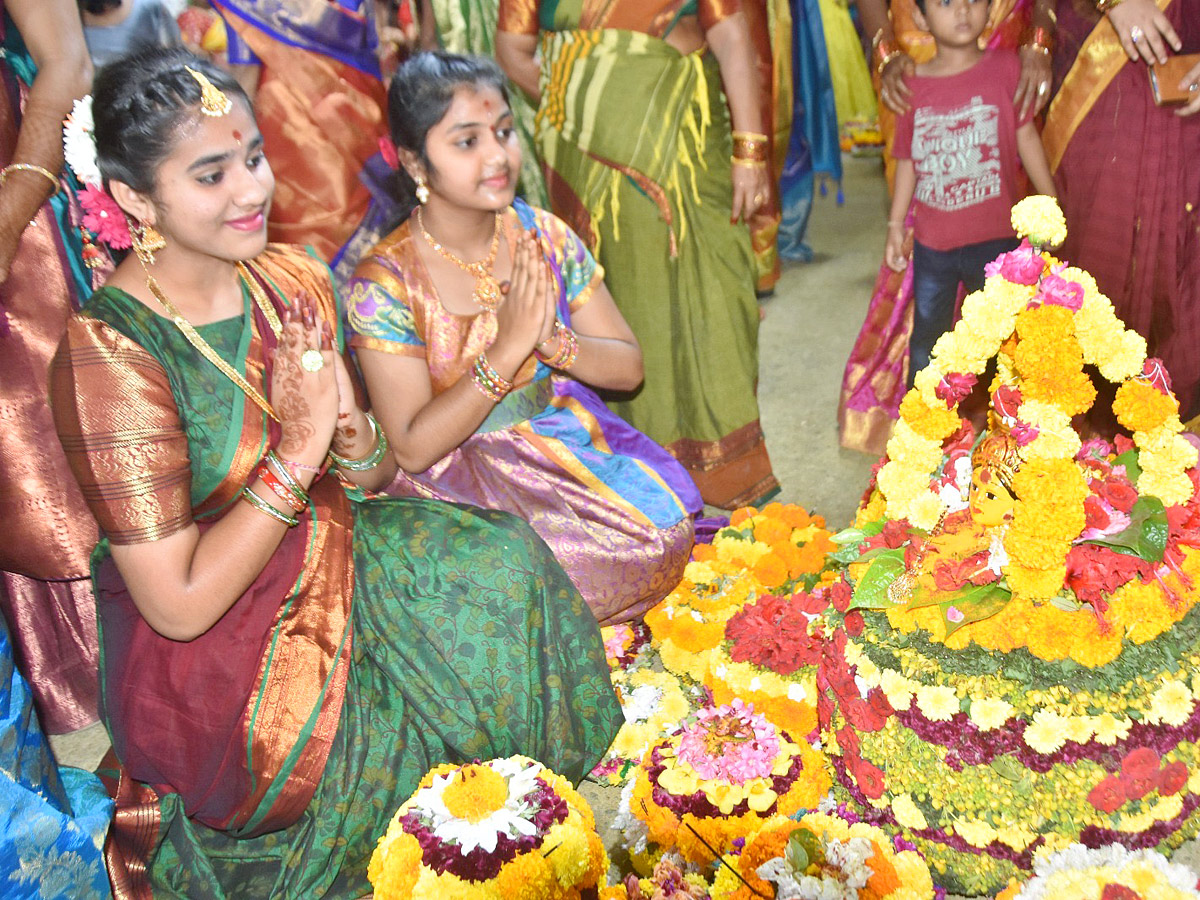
x=263, y=506
x=372, y=459
x=288, y=479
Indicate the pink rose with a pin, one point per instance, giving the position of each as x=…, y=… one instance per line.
x=1057, y=291
x=954, y=388
x=1021, y=266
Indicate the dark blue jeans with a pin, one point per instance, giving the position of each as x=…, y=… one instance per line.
x=936, y=277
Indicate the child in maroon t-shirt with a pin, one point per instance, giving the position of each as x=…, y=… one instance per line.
x=956, y=154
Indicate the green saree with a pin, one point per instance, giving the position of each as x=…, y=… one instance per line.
x=636, y=145
x=385, y=636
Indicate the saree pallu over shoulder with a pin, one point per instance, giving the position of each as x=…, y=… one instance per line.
x=1099, y=60
x=658, y=151
x=139, y=412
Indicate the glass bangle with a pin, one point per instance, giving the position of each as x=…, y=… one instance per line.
x=263, y=506
x=372, y=459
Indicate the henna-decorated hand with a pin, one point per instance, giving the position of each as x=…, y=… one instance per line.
x=527, y=315
x=306, y=402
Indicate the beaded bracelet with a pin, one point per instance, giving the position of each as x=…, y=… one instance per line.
x=490, y=383
x=263, y=506
x=372, y=459
x=30, y=167
x=568, y=348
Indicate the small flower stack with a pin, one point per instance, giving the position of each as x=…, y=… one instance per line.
x=498, y=830
x=716, y=779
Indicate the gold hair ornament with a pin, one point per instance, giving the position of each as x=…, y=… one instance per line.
x=213, y=101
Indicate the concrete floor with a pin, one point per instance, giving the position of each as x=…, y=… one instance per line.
x=810, y=326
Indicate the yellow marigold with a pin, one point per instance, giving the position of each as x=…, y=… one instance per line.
x=1056, y=438
x=1140, y=406
x=1109, y=729
x=919, y=452
x=1171, y=704
x=1098, y=650
x=926, y=381
x=937, y=702
x=975, y=832
x=935, y=423
x=1172, y=490
x=683, y=662
x=527, y=875
x=1124, y=357
x=1006, y=299
x=1046, y=732
x=1036, y=584
x=901, y=484
x=1040, y=219
x=990, y=712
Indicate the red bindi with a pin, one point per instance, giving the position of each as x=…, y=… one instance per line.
x=237, y=136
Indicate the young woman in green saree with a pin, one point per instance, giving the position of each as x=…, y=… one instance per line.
x=282, y=660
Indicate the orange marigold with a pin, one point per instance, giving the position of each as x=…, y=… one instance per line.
x=772, y=530
x=1142, y=407
x=884, y=879
x=771, y=570
x=933, y=422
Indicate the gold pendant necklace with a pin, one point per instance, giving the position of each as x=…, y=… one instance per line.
x=206, y=350
x=487, y=288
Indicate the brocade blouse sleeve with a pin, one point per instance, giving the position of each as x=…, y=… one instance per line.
x=581, y=273
x=519, y=16
x=378, y=312
x=713, y=12
x=118, y=424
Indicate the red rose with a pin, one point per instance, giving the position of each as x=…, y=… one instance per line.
x=954, y=388
x=854, y=623
x=840, y=595
x=1141, y=762
x=1097, y=516
x=1171, y=778
x=1108, y=796
x=870, y=778
x=1119, y=892
x=864, y=714
x=813, y=603
x=1137, y=788
x=847, y=739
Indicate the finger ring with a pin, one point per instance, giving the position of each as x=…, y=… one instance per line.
x=1042, y=88
x=758, y=198
x=1136, y=33
x=312, y=361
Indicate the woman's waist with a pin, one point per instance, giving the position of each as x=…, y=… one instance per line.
x=520, y=405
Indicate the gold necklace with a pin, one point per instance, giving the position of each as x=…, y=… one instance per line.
x=206, y=350
x=487, y=288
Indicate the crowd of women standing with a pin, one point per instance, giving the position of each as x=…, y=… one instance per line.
x=382, y=584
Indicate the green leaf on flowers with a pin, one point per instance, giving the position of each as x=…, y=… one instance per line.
x=1008, y=768
x=872, y=589
x=973, y=605
x=1146, y=535
x=849, y=539
x=1066, y=603
x=803, y=850
x=1129, y=459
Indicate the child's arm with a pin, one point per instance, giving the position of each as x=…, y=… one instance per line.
x=906, y=183
x=1033, y=158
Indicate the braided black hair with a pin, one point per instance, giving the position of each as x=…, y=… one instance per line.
x=419, y=95
x=140, y=101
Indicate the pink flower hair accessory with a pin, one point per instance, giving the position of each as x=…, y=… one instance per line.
x=104, y=218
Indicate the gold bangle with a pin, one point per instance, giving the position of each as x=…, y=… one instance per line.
x=748, y=163
x=887, y=59
x=30, y=167
x=1104, y=6
x=749, y=136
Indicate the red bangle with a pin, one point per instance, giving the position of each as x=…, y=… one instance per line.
x=278, y=488
x=1042, y=38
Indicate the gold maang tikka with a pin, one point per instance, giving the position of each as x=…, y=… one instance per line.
x=213, y=101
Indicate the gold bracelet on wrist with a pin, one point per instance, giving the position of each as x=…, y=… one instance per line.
x=748, y=163
x=30, y=167
x=1104, y=6
x=883, y=63
x=373, y=458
